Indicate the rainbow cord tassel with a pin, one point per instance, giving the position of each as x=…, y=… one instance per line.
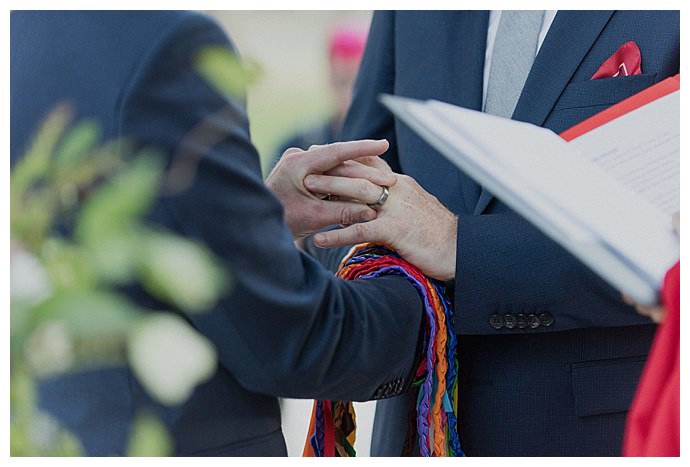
x=333, y=425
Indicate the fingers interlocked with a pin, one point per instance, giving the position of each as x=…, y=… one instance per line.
x=357, y=189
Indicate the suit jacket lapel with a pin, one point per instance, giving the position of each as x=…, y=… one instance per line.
x=570, y=37
x=465, y=83
x=466, y=64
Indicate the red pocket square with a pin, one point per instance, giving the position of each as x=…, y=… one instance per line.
x=626, y=61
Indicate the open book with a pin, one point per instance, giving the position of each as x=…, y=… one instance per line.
x=607, y=196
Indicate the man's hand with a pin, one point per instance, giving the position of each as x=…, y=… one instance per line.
x=655, y=313
x=306, y=210
x=411, y=221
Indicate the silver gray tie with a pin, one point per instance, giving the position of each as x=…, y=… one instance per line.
x=514, y=51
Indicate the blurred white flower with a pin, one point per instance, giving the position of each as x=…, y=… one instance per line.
x=182, y=272
x=29, y=281
x=170, y=357
x=49, y=349
x=45, y=431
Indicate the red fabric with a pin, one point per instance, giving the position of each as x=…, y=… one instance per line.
x=626, y=61
x=653, y=425
x=329, y=431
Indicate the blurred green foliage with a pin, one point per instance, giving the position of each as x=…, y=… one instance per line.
x=149, y=438
x=78, y=228
x=226, y=72
x=78, y=233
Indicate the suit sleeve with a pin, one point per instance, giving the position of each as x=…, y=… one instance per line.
x=288, y=327
x=507, y=271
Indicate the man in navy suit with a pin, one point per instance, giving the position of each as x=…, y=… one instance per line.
x=288, y=327
x=549, y=355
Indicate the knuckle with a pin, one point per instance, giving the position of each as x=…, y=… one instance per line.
x=353, y=215
x=292, y=153
x=362, y=188
x=340, y=151
x=405, y=178
x=292, y=150
x=347, y=217
x=360, y=232
x=290, y=159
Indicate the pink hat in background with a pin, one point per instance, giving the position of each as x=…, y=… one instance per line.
x=347, y=42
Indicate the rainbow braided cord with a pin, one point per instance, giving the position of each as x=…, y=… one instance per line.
x=333, y=426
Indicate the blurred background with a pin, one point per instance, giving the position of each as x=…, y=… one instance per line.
x=292, y=49
x=295, y=94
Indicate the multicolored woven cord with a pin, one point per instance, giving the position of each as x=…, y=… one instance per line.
x=333, y=424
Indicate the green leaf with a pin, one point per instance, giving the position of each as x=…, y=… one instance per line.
x=68, y=265
x=22, y=393
x=101, y=161
x=20, y=446
x=149, y=438
x=32, y=432
x=79, y=141
x=225, y=71
x=65, y=444
x=29, y=286
x=32, y=222
x=114, y=256
x=181, y=272
x=22, y=409
x=32, y=206
x=89, y=314
x=20, y=311
x=117, y=205
x=37, y=160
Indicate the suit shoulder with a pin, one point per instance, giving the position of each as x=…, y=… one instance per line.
x=159, y=26
x=185, y=31
x=182, y=20
x=128, y=31
x=172, y=38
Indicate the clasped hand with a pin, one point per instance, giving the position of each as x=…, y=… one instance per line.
x=308, y=211
x=411, y=221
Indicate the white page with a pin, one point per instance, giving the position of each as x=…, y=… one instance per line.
x=619, y=235
x=641, y=149
x=558, y=175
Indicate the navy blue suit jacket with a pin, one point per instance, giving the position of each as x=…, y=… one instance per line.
x=549, y=355
x=288, y=327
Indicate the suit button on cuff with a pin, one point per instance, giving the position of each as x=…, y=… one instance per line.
x=521, y=321
x=510, y=321
x=533, y=321
x=546, y=319
x=496, y=321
